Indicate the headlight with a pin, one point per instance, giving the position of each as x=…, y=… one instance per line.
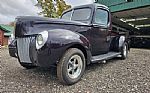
x=41, y=39
x=11, y=38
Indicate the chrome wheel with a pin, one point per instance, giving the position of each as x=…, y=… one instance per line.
x=75, y=65
x=125, y=51
x=71, y=67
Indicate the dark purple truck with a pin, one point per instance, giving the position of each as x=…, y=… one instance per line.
x=80, y=37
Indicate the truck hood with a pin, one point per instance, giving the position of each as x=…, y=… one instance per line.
x=49, y=20
x=27, y=25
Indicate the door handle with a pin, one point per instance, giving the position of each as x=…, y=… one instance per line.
x=102, y=29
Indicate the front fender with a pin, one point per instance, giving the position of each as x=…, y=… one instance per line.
x=59, y=40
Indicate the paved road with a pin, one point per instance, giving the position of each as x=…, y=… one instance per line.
x=116, y=76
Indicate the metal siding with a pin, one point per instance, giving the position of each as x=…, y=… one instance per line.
x=5, y=40
x=1, y=37
x=121, y=5
x=111, y=2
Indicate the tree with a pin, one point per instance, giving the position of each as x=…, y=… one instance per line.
x=52, y=8
x=48, y=8
x=61, y=6
x=12, y=23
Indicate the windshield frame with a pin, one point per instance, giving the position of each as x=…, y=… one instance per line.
x=71, y=11
x=87, y=21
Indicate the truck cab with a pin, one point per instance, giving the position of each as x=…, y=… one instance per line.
x=99, y=17
x=83, y=35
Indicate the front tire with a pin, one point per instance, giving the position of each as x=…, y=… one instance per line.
x=71, y=67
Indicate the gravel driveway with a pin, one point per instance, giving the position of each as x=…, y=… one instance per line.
x=116, y=76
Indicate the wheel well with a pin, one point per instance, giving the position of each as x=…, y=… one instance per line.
x=81, y=48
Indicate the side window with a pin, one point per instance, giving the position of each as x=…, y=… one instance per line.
x=101, y=17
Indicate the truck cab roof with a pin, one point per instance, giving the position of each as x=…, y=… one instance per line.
x=93, y=5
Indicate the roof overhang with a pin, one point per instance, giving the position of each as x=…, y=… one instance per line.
x=138, y=18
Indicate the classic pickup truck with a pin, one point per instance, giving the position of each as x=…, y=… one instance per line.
x=83, y=35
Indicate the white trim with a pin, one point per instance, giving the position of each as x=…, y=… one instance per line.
x=45, y=37
x=121, y=40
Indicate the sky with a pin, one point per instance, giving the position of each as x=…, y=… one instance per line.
x=78, y=2
x=10, y=9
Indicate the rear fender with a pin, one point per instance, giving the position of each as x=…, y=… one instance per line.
x=117, y=43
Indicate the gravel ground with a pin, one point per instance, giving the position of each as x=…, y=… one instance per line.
x=116, y=76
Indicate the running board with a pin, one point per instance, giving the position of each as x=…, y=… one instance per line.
x=103, y=57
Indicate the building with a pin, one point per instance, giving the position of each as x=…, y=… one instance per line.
x=135, y=13
x=5, y=33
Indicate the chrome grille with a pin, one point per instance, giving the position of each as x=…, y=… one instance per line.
x=23, y=45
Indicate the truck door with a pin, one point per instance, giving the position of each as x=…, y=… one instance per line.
x=100, y=32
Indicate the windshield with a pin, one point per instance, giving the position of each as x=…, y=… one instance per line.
x=67, y=15
x=78, y=15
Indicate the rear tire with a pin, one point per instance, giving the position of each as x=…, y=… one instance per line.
x=124, y=51
x=71, y=67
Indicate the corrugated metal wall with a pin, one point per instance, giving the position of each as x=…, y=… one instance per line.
x=111, y=2
x=1, y=37
x=120, y=5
